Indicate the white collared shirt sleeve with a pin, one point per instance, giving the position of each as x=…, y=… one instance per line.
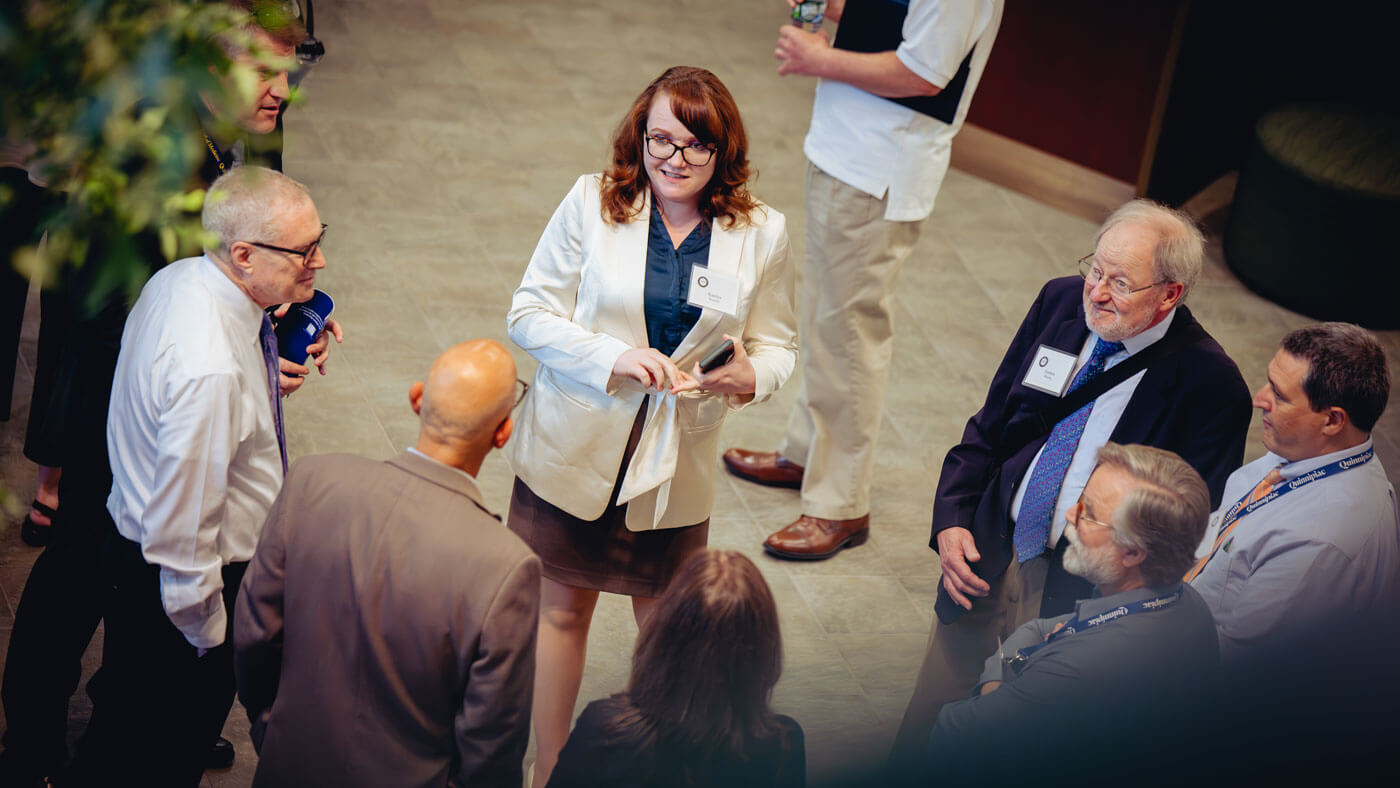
x=938, y=35
x=196, y=442
x=541, y=311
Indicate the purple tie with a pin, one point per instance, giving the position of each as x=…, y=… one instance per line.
x=268, y=338
x=1043, y=487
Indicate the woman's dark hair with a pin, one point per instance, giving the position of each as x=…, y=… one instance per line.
x=703, y=104
x=706, y=661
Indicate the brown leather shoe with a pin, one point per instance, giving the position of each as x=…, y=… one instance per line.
x=764, y=467
x=813, y=538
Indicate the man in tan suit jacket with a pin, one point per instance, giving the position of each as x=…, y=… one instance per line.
x=385, y=630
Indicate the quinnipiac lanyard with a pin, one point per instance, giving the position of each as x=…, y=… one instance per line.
x=1075, y=625
x=219, y=160
x=1284, y=487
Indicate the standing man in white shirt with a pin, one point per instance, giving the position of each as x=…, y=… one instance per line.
x=893, y=93
x=198, y=455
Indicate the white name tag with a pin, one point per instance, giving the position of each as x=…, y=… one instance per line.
x=1050, y=371
x=714, y=290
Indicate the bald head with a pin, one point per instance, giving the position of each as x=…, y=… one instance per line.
x=466, y=401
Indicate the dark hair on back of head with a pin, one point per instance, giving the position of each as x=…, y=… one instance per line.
x=1346, y=369
x=706, y=661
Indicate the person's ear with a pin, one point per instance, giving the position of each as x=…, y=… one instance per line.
x=240, y=255
x=503, y=433
x=1171, y=295
x=1132, y=556
x=415, y=397
x=1336, y=421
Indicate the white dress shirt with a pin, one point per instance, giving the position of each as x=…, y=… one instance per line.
x=1103, y=419
x=878, y=146
x=191, y=436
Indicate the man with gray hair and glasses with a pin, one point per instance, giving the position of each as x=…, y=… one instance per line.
x=1122, y=678
x=198, y=454
x=1112, y=354
x=1302, y=564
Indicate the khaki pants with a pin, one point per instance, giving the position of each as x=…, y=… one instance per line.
x=957, y=653
x=848, y=280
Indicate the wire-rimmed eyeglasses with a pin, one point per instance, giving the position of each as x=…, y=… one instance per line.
x=1117, y=285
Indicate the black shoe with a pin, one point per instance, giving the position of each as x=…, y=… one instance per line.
x=32, y=533
x=220, y=755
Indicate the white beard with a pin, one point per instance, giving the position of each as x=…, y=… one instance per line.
x=1098, y=566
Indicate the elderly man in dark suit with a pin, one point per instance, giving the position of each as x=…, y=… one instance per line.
x=385, y=630
x=1112, y=356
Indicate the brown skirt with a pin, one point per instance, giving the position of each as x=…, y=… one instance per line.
x=602, y=554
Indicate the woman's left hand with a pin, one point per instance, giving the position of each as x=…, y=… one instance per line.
x=736, y=377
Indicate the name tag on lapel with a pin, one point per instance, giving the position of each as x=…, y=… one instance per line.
x=1050, y=371
x=713, y=290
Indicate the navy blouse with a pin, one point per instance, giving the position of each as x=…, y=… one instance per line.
x=669, y=316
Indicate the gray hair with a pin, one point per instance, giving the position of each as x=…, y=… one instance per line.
x=1164, y=515
x=1346, y=369
x=245, y=204
x=1181, y=248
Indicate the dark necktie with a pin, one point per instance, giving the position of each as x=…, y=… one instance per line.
x=1043, y=487
x=268, y=338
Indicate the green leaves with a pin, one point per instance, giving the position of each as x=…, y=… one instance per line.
x=109, y=92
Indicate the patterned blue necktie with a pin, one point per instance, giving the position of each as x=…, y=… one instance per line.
x=1043, y=488
x=268, y=338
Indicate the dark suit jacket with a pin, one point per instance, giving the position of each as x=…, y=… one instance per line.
x=385, y=630
x=1194, y=403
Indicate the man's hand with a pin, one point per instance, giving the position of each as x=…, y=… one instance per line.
x=320, y=350
x=955, y=548
x=833, y=8
x=801, y=52
x=291, y=376
x=652, y=369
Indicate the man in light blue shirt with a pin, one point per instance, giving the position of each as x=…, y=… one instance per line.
x=1301, y=564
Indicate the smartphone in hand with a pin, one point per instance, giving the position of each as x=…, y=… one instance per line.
x=718, y=357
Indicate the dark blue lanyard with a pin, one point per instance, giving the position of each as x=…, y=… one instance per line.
x=1283, y=488
x=1122, y=611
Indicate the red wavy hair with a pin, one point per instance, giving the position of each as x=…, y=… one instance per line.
x=704, y=105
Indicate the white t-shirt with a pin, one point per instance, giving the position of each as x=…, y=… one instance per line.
x=880, y=147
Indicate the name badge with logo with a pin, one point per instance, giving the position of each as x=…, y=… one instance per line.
x=713, y=290
x=1050, y=371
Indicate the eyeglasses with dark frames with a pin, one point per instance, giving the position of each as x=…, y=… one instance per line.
x=521, y=388
x=664, y=148
x=1117, y=285
x=305, y=255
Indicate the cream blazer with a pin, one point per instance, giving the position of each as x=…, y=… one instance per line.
x=579, y=307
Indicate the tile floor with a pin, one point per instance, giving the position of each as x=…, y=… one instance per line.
x=438, y=136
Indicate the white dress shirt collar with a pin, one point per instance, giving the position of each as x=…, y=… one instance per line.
x=1143, y=339
x=471, y=479
x=241, y=307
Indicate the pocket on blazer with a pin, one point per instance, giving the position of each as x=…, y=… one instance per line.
x=578, y=395
x=699, y=414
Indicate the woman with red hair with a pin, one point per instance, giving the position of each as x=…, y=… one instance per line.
x=640, y=274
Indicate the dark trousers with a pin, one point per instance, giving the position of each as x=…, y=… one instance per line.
x=157, y=704
x=19, y=226
x=62, y=600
